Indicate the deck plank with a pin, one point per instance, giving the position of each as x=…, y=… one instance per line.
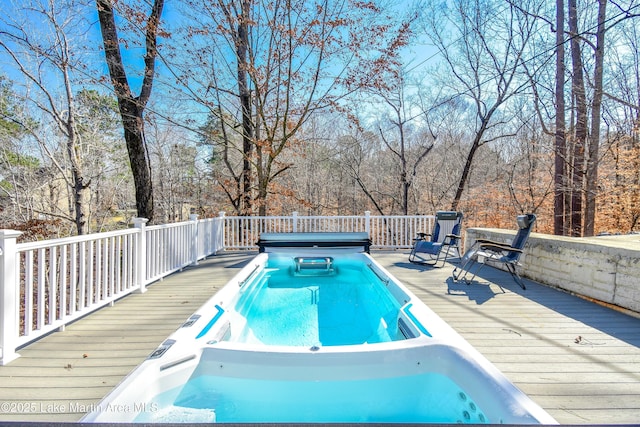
x=578, y=360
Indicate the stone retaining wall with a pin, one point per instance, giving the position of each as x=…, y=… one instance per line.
x=603, y=268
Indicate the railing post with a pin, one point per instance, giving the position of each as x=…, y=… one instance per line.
x=141, y=254
x=194, y=239
x=367, y=222
x=294, y=219
x=221, y=237
x=9, y=294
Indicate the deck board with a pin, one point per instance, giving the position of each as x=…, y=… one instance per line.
x=578, y=360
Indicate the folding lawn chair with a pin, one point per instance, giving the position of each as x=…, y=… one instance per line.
x=444, y=239
x=486, y=251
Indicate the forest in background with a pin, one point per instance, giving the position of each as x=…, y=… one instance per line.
x=115, y=109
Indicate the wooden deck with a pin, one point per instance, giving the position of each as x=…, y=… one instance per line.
x=578, y=360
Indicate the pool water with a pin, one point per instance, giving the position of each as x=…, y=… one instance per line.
x=427, y=397
x=347, y=305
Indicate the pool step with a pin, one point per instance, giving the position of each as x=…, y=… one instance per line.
x=314, y=265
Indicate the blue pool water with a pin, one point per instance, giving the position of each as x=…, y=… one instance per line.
x=427, y=397
x=347, y=305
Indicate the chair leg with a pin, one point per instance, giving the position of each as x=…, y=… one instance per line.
x=414, y=258
x=465, y=269
x=465, y=264
x=457, y=248
x=482, y=264
x=431, y=261
x=444, y=260
x=412, y=254
x=515, y=275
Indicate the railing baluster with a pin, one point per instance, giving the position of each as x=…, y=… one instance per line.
x=53, y=285
x=98, y=268
x=28, y=293
x=63, y=279
x=73, y=279
x=82, y=271
x=113, y=277
x=41, y=289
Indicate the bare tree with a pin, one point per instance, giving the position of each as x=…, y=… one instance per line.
x=18, y=166
x=111, y=188
x=618, y=201
x=580, y=122
x=593, y=158
x=132, y=107
x=358, y=153
x=297, y=58
x=38, y=56
x=481, y=44
x=407, y=154
x=560, y=149
x=578, y=148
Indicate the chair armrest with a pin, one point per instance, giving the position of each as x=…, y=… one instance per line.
x=499, y=247
x=493, y=242
x=421, y=236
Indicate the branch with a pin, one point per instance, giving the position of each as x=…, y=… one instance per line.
x=621, y=101
x=111, y=44
x=153, y=25
x=516, y=5
x=387, y=142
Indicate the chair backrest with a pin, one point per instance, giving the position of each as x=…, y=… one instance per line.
x=447, y=222
x=525, y=223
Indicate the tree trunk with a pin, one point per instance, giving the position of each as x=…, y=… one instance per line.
x=80, y=196
x=465, y=173
x=80, y=187
x=477, y=142
x=560, y=190
x=406, y=182
x=138, y=157
x=580, y=135
x=594, y=137
x=132, y=108
x=242, y=50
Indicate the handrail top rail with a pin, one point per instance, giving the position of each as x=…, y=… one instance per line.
x=315, y=236
x=298, y=216
x=40, y=244
x=170, y=225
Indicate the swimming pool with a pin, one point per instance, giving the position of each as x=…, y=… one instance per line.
x=316, y=334
x=322, y=301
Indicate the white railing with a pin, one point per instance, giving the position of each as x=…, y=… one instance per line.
x=48, y=284
x=172, y=247
x=386, y=232
x=73, y=275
